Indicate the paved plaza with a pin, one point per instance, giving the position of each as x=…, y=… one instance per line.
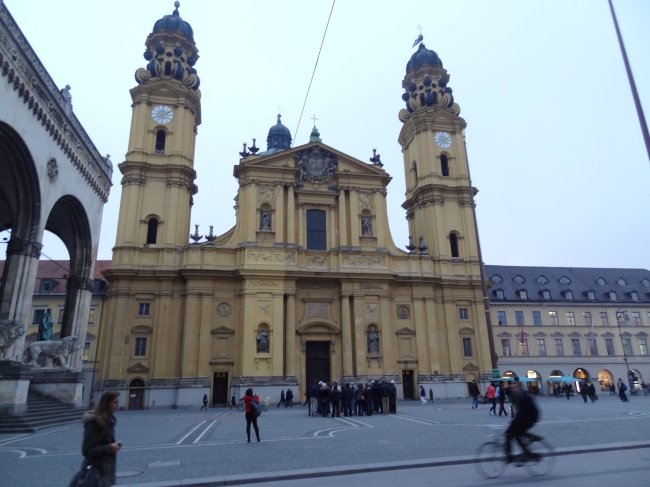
x=190, y=444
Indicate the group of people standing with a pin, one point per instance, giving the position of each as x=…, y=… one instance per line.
x=355, y=400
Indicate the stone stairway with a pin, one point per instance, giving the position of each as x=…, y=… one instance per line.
x=42, y=412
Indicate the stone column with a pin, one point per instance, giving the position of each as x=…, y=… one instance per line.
x=354, y=220
x=278, y=344
x=424, y=362
x=75, y=319
x=331, y=239
x=387, y=335
x=190, y=335
x=346, y=338
x=291, y=218
x=360, y=337
x=290, y=347
x=434, y=343
x=278, y=217
x=301, y=226
x=253, y=220
x=343, y=225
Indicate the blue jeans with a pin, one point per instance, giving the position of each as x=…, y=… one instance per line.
x=475, y=402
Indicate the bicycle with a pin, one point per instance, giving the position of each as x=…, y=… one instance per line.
x=491, y=459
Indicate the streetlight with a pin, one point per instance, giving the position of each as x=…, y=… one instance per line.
x=620, y=315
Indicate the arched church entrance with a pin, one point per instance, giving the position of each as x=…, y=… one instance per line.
x=136, y=395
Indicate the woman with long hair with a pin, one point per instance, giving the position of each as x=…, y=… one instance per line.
x=99, y=445
x=250, y=415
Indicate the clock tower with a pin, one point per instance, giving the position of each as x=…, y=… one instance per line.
x=158, y=173
x=438, y=200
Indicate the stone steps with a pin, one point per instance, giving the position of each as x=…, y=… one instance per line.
x=42, y=412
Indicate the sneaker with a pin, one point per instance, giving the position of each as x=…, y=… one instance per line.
x=472, y=406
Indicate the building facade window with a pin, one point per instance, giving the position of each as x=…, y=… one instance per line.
x=519, y=279
x=537, y=318
x=591, y=296
x=501, y=318
x=621, y=282
x=609, y=346
x=140, y=347
x=643, y=346
x=91, y=316
x=152, y=231
x=634, y=295
x=316, y=230
x=604, y=320
x=523, y=294
x=542, y=280
x=505, y=347
x=463, y=313
x=160, y=142
x=636, y=318
x=499, y=294
x=467, y=347
x=586, y=316
x=496, y=278
x=144, y=309
x=453, y=243
x=541, y=347
x=568, y=294
x=564, y=280
x=593, y=348
x=87, y=352
x=601, y=281
x=554, y=319
x=559, y=347
x=38, y=316
x=60, y=320
x=46, y=286
x=444, y=165
x=627, y=347
x=519, y=318
x=570, y=318
x=523, y=347
x=546, y=294
x=575, y=345
x=612, y=296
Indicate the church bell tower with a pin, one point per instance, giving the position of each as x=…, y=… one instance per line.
x=438, y=200
x=158, y=173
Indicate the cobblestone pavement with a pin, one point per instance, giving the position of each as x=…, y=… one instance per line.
x=185, y=444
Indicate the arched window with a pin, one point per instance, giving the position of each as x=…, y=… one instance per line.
x=453, y=243
x=316, y=233
x=415, y=172
x=160, y=142
x=168, y=68
x=444, y=165
x=152, y=230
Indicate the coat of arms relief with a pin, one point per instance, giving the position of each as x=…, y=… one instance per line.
x=315, y=165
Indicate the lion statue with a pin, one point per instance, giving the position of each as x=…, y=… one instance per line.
x=10, y=331
x=57, y=350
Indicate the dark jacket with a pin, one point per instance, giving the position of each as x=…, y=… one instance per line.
x=367, y=393
x=526, y=409
x=282, y=395
x=384, y=390
x=289, y=394
x=324, y=393
x=347, y=393
x=313, y=391
x=335, y=394
x=473, y=389
x=98, y=436
x=393, y=391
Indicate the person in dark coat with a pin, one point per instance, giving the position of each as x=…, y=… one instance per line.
x=384, y=392
x=376, y=397
x=367, y=393
x=347, y=395
x=282, y=400
x=392, y=403
x=205, y=402
x=335, y=398
x=360, y=404
x=583, y=390
x=99, y=445
x=567, y=390
x=612, y=389
x=324, y=397
x=430, y=395
x=621, y=391
x=474, y=392
x=591, y=391
x=501, y=397
x=289, y=400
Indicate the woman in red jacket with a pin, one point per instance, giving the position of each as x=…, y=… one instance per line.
x=491, y=395
x=250, y=416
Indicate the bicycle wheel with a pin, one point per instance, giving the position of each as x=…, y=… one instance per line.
x=544, y=461
x=490, y=460
x=241, y=406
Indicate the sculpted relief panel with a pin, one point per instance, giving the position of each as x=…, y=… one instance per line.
x=272, y=257
x=352, y=260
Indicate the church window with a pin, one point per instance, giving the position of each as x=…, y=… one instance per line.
x=453, y=242
x=168, y=68
x=415, y=172
x=143, y=309
x=160, y=142
x=140, y=347
x=444, y=165
x=316, y=234
x=152, y=230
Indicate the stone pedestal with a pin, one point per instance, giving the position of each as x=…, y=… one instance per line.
x=65, y=385
x=14, y=384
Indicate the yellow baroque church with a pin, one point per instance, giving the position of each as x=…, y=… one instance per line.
x=308, y=285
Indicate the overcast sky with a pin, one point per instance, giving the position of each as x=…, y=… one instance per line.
x=553, y=138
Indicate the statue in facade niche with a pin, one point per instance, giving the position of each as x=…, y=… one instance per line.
x=262, y=342
x=45, y=327
x=373, y=341
x=365, y=226
x=265, y=223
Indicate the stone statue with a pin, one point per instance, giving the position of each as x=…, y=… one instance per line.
x=365, y=226
x=58, y=350
x=373, y=341
x=262, y=342
x=10, y=331
x=65, y=92
x=265, y=223
x=45, y=327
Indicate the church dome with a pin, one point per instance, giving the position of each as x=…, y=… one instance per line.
x=422, y=56
x=174, y=22
x=279, y=138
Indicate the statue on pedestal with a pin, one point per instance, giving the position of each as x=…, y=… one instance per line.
x=365, y=226
x=262, y=342
x=373, y=341
x=45, y=327
x=265, y=224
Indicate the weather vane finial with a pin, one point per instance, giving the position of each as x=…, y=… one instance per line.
x=419, y=39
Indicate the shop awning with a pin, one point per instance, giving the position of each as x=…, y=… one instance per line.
x=521, y=379
x=564, y=378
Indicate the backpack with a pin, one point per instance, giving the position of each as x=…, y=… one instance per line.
x=623, y=386
x=255, y=408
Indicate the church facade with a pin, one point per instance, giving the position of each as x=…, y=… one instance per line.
x=308, y=285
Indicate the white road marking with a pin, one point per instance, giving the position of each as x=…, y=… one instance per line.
x=192, y=431
x=429, y=422
x=204, y=432
x=22, y=453
x=6, y=442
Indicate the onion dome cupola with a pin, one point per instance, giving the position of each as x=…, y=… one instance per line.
x=171, y=52
x=279, y=139
x=426, y=84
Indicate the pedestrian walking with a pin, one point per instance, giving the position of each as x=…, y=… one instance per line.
x=392, y=403
x=591, y=392
x=621, y=391
x=205, y=402
x=474, y=392
x=491, y=395
x=233, y=402
x=99, y=445
x=430, y=395
x=289, y=400
x=583, y=390
x=612, y=389
x=282, y=399
x=251, y=417
x=644, y=388
x=501, y=396
x=567, y=390
x=423, y=395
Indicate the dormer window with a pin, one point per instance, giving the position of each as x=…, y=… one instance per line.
x=564, y=280
x=612, y=295
x=46, y=286
x=542, y=280
x=591, y=296
x=496, y=278
x=568, y=294
x=499, y=293
x=634, y=296
x=621, y=282
x=601, y=281
x=546, y=294
x=519, y=279
x=645, y=282
x=522, y=294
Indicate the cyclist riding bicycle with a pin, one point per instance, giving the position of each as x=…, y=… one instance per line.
x=526, y=416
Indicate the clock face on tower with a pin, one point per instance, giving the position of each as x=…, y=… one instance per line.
x=162, y=114
x=443, y=139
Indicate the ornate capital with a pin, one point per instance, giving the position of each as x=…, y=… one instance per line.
x=82, y=283
x=18, y=246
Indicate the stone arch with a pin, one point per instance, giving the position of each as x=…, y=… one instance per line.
x=605, y=379
x=581, y=373
x=536, y=386
x=135, y=394
x=454, y=244
x=68, y=221
x=20, y=212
